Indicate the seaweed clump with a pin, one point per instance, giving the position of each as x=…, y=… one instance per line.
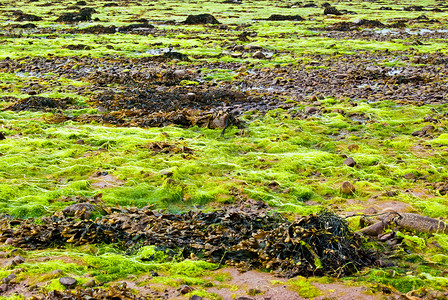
x=247, y=237
x=39, y=103
x=114, y=292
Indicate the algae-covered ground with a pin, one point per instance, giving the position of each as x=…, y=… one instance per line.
x=130, y=106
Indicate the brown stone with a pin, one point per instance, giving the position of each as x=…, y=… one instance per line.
x=428, y=129
x=350, y=162
x=409, y=176
x=90, y=283
x=17, y=260
x=310, y=110
x=259, y=55
x=185, y=289
x=347, y=188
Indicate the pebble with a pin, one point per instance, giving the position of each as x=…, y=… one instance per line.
x=350, y=162
x=259, y=55
x=191, y=96
x=310, y=110
x=2, y=136
x=347, y=188
x=409, y=176
x=68, y=282
x=17, y=260
x=428, y=129
x=90, y=283
x=195, y=297
x=179, y=73
x=185, y=289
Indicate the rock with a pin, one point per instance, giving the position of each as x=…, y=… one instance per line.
x=83, y=15
x=311, y=110
x=285, y=18
x=68, y=282
x=331, y=10
x=350, y=162
x=238, y=48
x=2, y=136
x=428, y=129
x=201, y=19
x=179, y=73
x=79, y=207
x=409, y=176
x=9, y=241
x=347, y=188
x=154, y=274
x=418, y=133
x=243, y=298
x=341, y=75
x=259, y=55
x=191, y=96
x=3, y=287
x=195, y=297
x=253, y=47
x=28, y=17
x=90, y=283
x=166, y=173
x=17, y=260
x=353, y=147
x=8, y=279
x=80, y=142
x=185, y=289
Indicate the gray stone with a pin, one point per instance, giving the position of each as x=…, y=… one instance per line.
x=68, y=282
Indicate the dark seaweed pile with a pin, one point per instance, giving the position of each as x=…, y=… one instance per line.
x=115, y=292
x=318, y=244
